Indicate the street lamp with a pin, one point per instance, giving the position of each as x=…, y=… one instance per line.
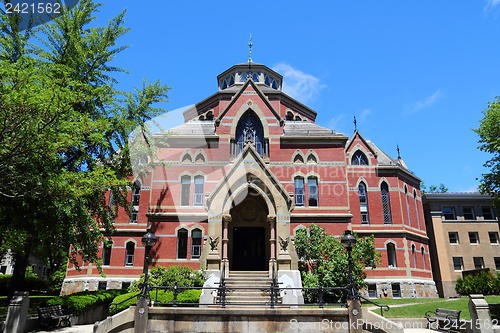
x=148, y=240
x=348, y=241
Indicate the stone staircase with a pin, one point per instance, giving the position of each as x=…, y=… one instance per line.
x=253, y=296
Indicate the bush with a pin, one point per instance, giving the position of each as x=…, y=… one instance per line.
x=31, y=282
x=79, y=302
x=486, y=283
x=163, y=296
x=166, y=277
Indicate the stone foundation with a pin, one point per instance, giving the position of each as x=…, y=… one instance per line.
x=74, y=285
x=393, y=288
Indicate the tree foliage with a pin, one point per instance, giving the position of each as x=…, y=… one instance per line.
x=433, y=188
x=323, y=260
x=167, y=277
x=64, y=134
x=489, y=139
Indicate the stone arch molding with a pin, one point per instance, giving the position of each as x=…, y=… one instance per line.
x=249, y=171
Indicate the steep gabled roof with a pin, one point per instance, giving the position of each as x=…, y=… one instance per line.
x=249, y=156
x=259, y=93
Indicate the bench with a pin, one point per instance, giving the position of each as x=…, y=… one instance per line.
x=53, y=315
x=449, y=317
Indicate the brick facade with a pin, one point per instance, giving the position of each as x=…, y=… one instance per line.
x=251, y=160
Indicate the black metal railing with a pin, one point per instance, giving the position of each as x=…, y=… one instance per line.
x=382, y=307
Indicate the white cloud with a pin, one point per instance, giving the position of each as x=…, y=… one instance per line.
x=491, y=4
x=425, y=103
x=364, y=114
x=299, y=85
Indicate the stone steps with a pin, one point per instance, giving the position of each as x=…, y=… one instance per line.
x=253, y=292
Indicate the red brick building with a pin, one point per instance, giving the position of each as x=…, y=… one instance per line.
x=248, y=168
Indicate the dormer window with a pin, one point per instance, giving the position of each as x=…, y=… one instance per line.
x=229, y=81
x=269, y=81
x=244, y=75
x=359, y=158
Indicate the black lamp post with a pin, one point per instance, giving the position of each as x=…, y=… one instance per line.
x=148, y=240
x=348, y=241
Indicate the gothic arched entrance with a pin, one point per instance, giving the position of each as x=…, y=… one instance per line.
x=249, y=234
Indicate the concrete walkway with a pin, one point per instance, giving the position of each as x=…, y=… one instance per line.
x=72, y=329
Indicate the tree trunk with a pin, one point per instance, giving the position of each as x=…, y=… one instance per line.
x=17, y=280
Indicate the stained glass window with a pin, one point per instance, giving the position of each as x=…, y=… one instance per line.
x=386, y=203
x=249, y=129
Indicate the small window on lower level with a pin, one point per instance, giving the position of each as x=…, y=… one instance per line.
x=372, y=290
x=125, y=285
x=102, y=285
x=396, y=290
x=497, y=263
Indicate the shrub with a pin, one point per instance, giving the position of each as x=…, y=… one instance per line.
x=79, y=302
x=163, y=296
x=486, y=283
x=166, y=277
x=31, y=283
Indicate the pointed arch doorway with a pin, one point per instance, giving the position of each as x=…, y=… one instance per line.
x=249, y=234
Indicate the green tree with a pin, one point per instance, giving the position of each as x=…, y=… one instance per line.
x=323, y=260
x=489, y=139
x=64, y=135
x=433, y=188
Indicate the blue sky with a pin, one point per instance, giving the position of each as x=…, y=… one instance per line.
x=415, y=73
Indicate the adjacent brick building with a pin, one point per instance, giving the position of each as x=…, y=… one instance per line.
x=248, y=168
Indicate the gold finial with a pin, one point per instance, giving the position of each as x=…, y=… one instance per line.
x=250, y=49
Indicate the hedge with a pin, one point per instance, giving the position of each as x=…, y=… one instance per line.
x=164, y=296
x=486, y=283
x=77, y=303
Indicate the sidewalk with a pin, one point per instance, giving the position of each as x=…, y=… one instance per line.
x=72, y=329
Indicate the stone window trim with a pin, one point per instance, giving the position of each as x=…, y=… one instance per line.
x=386, y=202
x=359, y=158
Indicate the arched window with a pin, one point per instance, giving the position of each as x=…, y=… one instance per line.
x=113, y=206
x=198, y=190
x=136, y=196
x=182, y=240
x=359, y=158
x=312, y=184
x=298, y=159
x=289, y=116
x=311, y=159
x=413, y=256
x=199, y=159
x=416, y=207
x=196, y=243
x=129, y=254
x=422, y=250
x=249, y=129
x=363, y=203
x=187, y=158
x=106, y=255
x=185, y=190
x=407, y=206
x=391, y=255
x=299, y=191
x=386, y=203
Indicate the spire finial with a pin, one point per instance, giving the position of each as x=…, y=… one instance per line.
x=399, y=156
x=250, y=49
x=355, y=123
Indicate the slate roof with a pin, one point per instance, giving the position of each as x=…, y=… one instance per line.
x=305, y=128
x=194, y=128
x=385, y=159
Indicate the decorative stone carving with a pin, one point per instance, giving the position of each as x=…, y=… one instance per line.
x=226, y=218
x=284, y=243
x=213, y=242
x=271, y=218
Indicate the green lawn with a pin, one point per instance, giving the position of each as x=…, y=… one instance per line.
x=418, y=310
